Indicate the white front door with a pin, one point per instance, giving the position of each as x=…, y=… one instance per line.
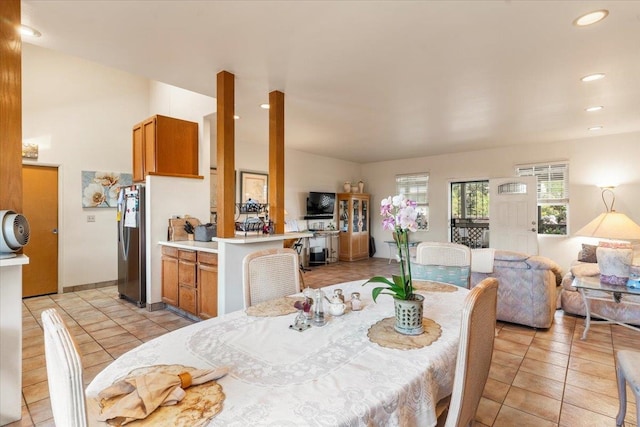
x=513, y=206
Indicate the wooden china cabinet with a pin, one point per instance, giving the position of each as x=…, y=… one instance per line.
x=353, y=221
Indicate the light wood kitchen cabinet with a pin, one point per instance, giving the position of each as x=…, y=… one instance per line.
x=170, y=275
x=353, y=211
x=187, y=291
x=207, y=285
x=190, y=281
x=165, y=146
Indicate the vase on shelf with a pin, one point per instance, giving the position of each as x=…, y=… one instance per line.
x=347, y=187
x=360, y=186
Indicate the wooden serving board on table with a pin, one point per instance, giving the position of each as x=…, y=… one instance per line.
x=177, y=231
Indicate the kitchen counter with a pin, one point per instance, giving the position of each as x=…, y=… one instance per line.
x=11, y=338
x=239, y=240
x=231, y=251
x=193, y=245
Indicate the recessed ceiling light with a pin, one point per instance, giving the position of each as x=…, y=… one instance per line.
x=595, y=128
x=236, y=117
x=592, y=77
x=264, y=106
x=28, y=31
x=591, y=18
x=594, y=108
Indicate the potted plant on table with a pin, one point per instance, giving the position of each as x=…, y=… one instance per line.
x=399, y=216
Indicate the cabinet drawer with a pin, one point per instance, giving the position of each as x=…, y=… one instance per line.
x=187, y=255
x=207, y=258
x=187, y=273
x=187, y=299
x=169, y=251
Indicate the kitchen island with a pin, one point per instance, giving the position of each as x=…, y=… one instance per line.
x=230, y=253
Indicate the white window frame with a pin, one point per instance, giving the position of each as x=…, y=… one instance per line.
x=546, y=174
x=415, y=186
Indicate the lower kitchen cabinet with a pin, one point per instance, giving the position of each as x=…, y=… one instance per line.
x=190, y=281
x=170, y=275
x=188, y=299
x=187, y=291
x=207, y=285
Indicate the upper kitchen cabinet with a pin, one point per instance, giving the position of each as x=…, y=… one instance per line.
x=165, y=146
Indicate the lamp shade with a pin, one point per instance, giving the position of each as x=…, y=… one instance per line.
x=611, y=225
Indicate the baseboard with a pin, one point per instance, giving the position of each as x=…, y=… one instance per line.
x=88, y=286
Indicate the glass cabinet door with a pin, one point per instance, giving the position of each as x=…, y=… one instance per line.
x=365, y=215
x=356, y=215
x=344, y=215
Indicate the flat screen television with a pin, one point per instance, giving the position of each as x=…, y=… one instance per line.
x=320, y=205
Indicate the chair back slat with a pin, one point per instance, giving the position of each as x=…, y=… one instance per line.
x=269, y=274
x=64, y=372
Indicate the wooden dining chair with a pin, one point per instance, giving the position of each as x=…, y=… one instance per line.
x=443, y=262
x=269, y=274
x=64, y=372
x=474, y=356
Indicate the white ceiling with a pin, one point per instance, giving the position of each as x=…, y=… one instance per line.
x=376, y=80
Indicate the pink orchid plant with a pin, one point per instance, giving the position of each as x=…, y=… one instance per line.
x=399, y=216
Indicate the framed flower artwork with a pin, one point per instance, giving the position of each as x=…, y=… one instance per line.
x=100, y=189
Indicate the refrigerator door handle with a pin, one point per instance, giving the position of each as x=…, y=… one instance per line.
x=124, y=238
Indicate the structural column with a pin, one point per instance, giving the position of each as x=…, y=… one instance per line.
x=226, y=154
x=276, y=160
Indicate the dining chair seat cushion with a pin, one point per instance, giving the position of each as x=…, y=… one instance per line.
x=454, y=275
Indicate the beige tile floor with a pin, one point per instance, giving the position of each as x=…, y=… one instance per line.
x=537, y=378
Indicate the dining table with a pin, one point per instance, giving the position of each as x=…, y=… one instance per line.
x=349, y=372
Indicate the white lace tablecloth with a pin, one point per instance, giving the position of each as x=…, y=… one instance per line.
x=325, y=376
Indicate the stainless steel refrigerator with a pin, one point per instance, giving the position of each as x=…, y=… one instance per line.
x=132, y=277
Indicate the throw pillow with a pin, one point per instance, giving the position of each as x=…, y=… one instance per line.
x=614, y=245
x=588, y=253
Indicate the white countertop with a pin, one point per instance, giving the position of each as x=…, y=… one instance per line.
x=240, y=240
x=16, y=260
x=325, y=232
x=192, y=245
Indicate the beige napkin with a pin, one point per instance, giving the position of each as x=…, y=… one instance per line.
x=138, y=396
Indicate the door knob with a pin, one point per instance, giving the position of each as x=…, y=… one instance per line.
x=533, y=230
x=54, y=231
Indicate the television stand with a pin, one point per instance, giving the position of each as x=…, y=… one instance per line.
x=318, y=217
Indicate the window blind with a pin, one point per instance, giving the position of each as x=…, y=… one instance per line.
x=553, y=181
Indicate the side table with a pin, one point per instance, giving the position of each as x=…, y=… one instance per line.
x=393, y=248
x=590, y=289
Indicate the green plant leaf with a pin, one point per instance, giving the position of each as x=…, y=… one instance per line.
x=379, y=279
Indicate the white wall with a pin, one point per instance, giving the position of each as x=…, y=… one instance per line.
x=81, y=114
x=168, y=196
x=304, y=172
x=592, y=161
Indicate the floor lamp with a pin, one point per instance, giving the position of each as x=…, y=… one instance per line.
x=614, y=255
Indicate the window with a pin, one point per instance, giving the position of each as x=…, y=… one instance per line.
x=416, y=187
x=553, y=195
x=470, y=200
x=470, y=213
